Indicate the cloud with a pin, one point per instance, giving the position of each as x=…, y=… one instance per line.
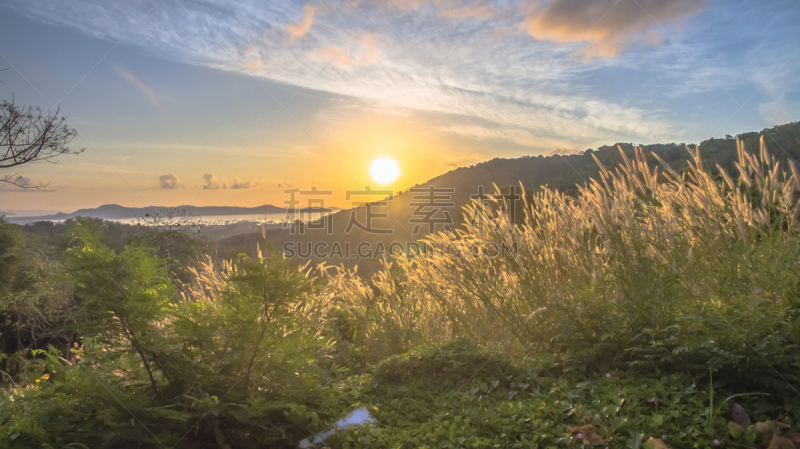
x=300, y=29
x=450, y=9
x=240, y=184
x=780, y=102
x=464, y=159
x=779, y=110
x=477, y=10
x=169, y=181
x=22, y=183
x=251, y=58
x=133, y=79
x=212, y=183
x=363, y=52
x=253, y=65
x=402, y=5
x=608, y=26
x=514, y=89
x=563, y=151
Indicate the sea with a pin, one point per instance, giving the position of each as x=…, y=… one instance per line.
x=219, y=220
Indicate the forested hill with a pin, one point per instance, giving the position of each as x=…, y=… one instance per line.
x=565, y=172
x=559, y=172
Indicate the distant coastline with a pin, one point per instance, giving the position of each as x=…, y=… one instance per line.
x=117, y=212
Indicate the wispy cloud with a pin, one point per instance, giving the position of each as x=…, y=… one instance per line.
x=23, y=184
x=133, y=79
x=514, y=76
x=363, y=51
x=402, y=5
x=460, y=10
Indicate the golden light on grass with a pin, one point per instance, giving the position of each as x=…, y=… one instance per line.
x=384, y=170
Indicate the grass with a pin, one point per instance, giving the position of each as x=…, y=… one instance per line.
x=633, y=314
x=479, y=402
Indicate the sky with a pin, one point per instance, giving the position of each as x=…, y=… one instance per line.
x=223, y=102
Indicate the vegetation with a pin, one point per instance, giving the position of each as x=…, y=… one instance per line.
x=651, y=307
x=560, y=172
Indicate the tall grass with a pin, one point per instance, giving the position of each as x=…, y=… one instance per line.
x=643, y=264
x=643, y=269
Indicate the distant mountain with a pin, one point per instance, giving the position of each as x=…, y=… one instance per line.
x=561, y=172
x=117, y=212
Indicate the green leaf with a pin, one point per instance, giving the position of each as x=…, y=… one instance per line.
x=734, y=429
x=657, y=420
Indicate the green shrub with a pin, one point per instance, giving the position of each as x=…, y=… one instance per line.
x=156, y=369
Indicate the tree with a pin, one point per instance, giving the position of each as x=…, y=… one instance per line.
x=174, y=234
x=28, y=134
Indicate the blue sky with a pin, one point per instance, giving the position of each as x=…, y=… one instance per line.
x=261, y=95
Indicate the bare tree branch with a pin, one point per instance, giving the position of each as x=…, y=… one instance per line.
x=28, y=134
x=25, y=183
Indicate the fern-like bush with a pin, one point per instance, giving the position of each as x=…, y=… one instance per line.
x=234, y=367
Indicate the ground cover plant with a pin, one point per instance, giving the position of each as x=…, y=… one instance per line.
x=651, y=308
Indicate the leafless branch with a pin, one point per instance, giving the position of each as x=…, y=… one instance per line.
x=27, y=134
x=25, y=183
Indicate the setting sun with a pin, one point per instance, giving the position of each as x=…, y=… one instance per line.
x=384, y=170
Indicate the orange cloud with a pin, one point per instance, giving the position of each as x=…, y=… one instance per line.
x=251, y=58
x=363, y=52
x=564, y=151
x=169, y=181
x=300, y=29
x=608, y=26
x=464, y=159
x=212, y=182
x=240, y=184
x=336, y=54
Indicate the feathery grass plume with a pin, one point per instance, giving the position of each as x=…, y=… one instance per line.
x=209, y=282
x=638, y=255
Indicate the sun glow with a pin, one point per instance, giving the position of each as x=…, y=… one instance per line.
x=384, y=170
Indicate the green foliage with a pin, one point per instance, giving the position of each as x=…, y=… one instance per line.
x=636, y=308
x=124, y=298
x=175, y=238
x=453, y=363
x=34, y=296
x=237, y=371
x=515, y=408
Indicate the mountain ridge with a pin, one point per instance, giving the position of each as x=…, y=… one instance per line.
x=559, y=172
x=118, y=212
